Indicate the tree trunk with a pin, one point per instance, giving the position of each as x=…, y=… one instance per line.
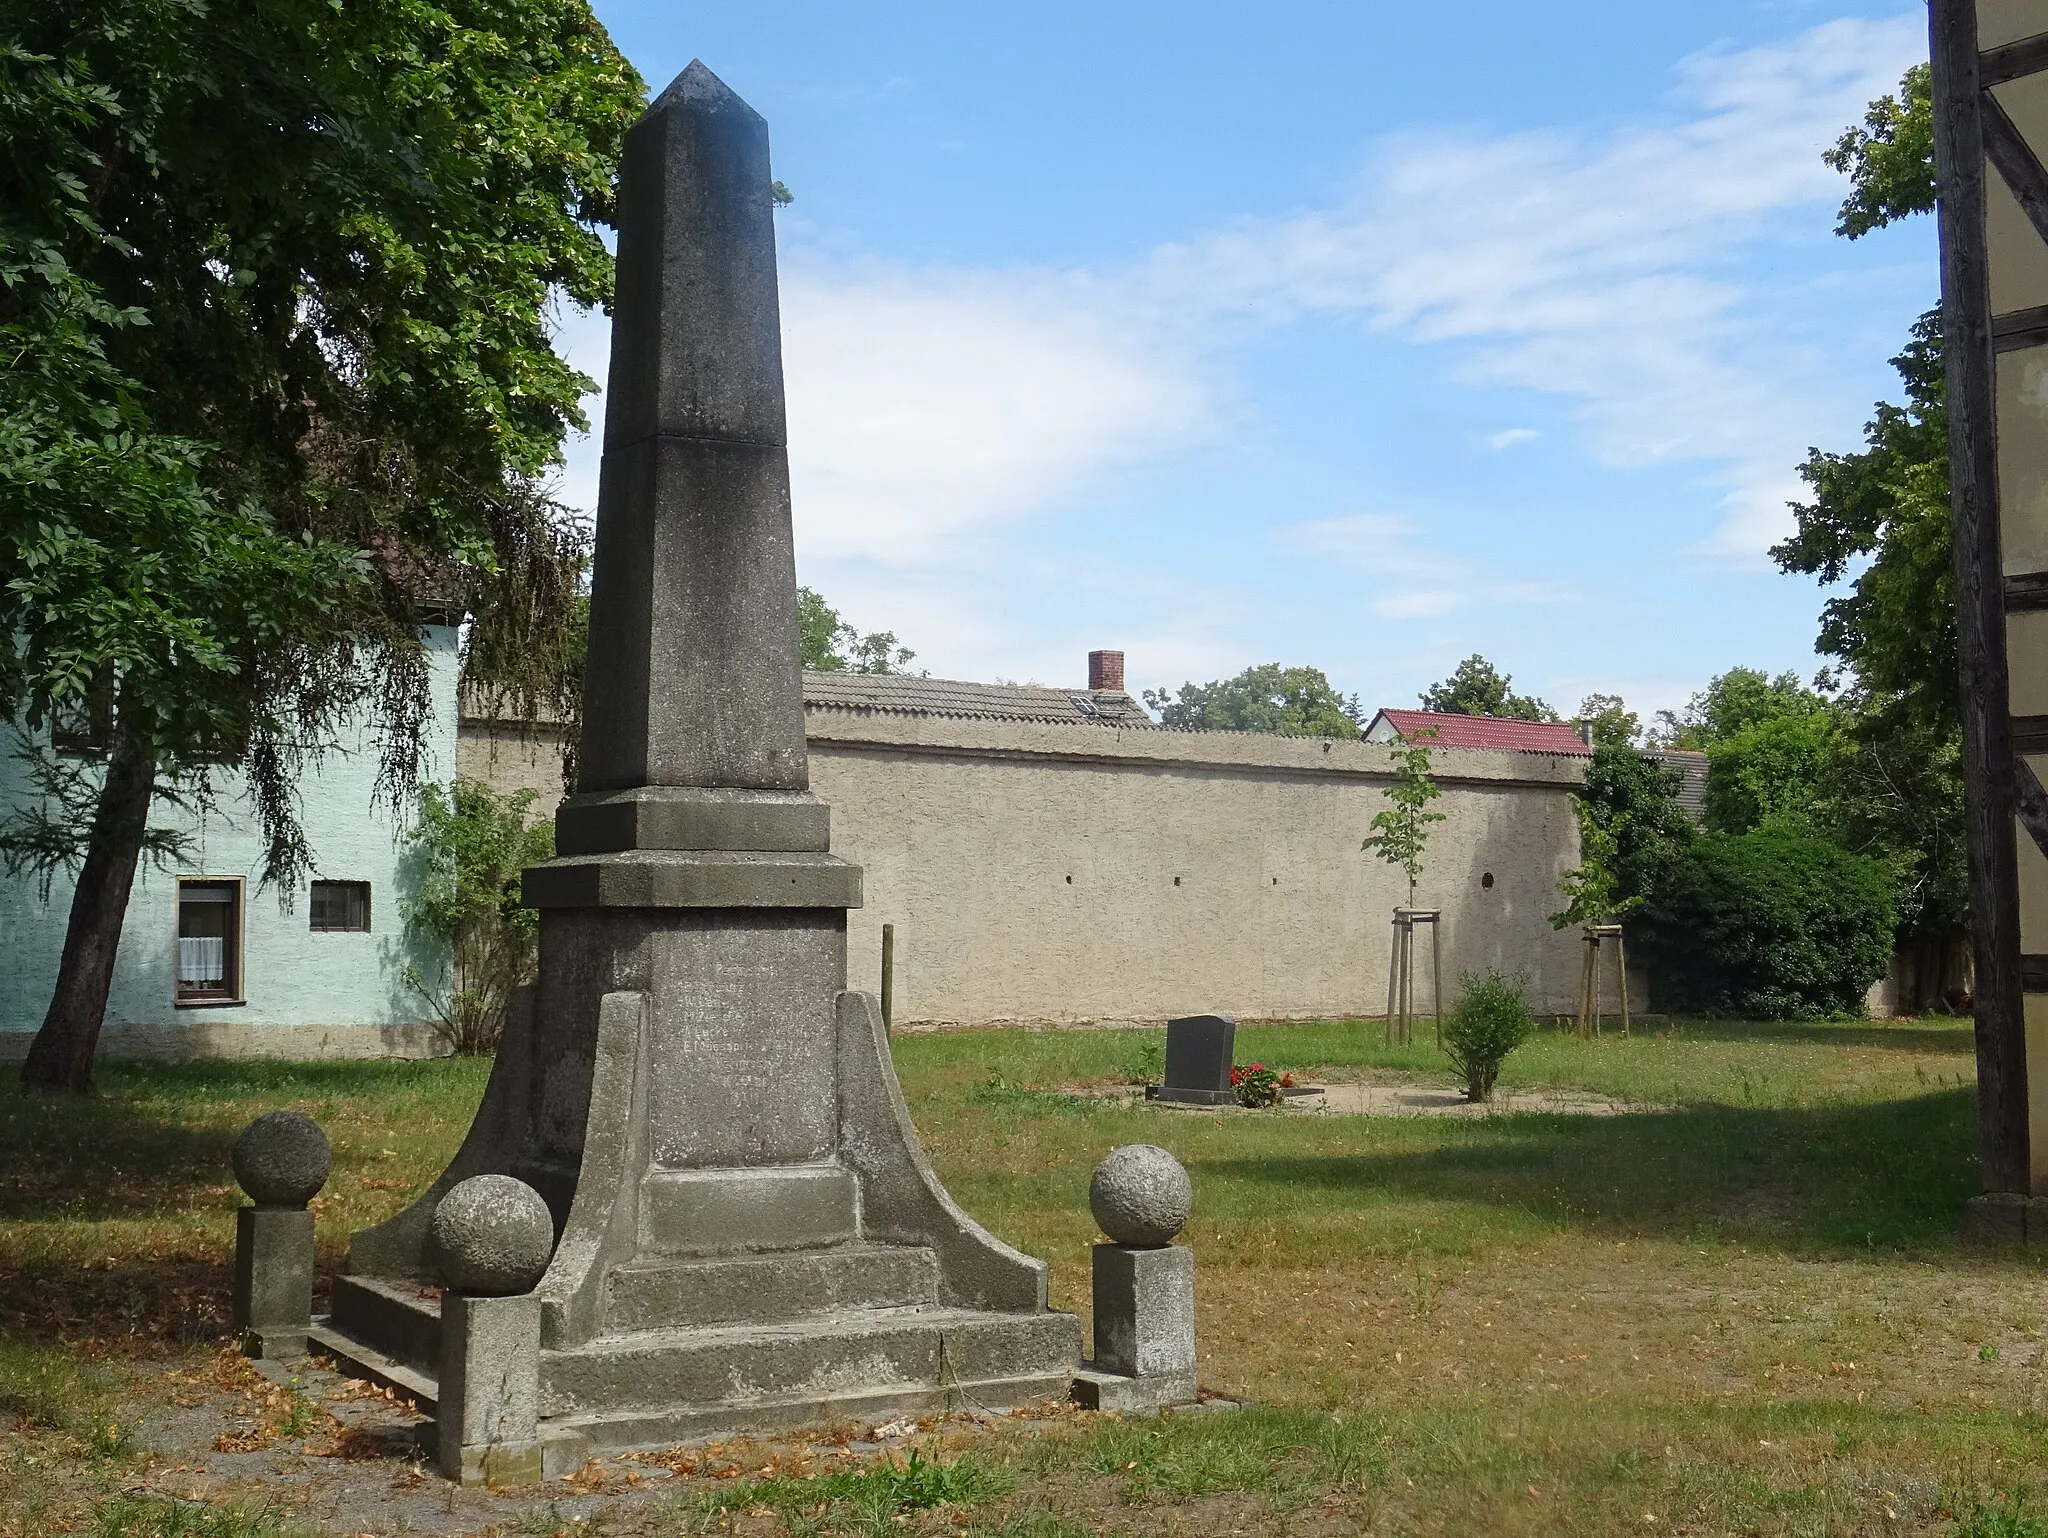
x=60, y=1058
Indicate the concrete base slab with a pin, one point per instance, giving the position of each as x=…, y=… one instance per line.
x=272, y=1345
x=1095, y=1390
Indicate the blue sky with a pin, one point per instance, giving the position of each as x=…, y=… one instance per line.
x=1346, y=334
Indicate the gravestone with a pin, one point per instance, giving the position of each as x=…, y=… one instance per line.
x=748, y=1233
x=1200, y=1050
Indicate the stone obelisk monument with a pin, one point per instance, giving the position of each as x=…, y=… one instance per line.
x=747, y=1230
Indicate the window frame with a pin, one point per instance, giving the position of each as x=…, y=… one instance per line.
x=313, y=923
x=237, y=932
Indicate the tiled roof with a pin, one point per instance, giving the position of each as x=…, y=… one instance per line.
x=1485, y=732
x=1692, y=790
x=900, y=694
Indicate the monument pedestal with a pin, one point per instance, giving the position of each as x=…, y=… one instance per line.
x=747, y=1232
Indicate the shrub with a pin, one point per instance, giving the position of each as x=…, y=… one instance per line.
x=1492, y=1019
x=1258, y=1086
x=1768, y=924
x=466, y=854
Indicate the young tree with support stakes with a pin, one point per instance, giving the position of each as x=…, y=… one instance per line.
x=1400, y=834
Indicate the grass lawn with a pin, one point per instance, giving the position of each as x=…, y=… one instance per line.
x=1744, y=1310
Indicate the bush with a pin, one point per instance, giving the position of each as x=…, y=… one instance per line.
x=1491, y=1020
x=1257, y=1087
x=1769, y=925
x=466, y=855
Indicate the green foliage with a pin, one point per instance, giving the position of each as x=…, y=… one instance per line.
x=1731, y=701
x=1477, y=688
x=1768, y=924
x=49, y=828
x=1289, y=702
x=872, y=1499
x=1256, y=1086
x=2008, y=1519
x=1638, y=831
x=466, y=855
x=1400, y=834
x=830, y=645
x=1889, y=159
x=1613, y=723
x=276, y=287
x=1779, y=771
x=1491, y=1019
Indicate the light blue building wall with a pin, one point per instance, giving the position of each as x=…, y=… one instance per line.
x=298, y=991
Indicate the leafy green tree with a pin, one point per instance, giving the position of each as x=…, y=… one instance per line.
x=1400, y=834
x=1735, y=699
x=1779, y=772
x=1632, y=833
x=1613, y=723
x=1877, y=526
x=1889, y=160
x=275, y=286
x=830, y=645
x=1289, y=702
x=466, y=854
x=1477, y=688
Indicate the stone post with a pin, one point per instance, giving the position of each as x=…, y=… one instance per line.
x=282, y=1160
x=1144, y=1286
x=492, y=1236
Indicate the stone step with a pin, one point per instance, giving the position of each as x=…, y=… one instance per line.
x=806, y=1369
x=399, y=1318
x=360, y=1360
x=622, y=1429
x=762, y=1289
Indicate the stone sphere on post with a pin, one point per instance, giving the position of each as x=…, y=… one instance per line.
x=282, y=1159
x=492, y=1236
x=1141, y=1196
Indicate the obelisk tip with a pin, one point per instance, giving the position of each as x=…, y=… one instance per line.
x=696, y=89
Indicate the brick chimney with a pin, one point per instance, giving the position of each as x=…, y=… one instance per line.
x=1106, y=671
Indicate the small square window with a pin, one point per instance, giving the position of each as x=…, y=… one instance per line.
x=341, y=907
x=209, y=942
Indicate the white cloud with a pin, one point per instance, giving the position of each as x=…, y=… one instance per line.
x=1598, y=268
x=926, y=403
x=933, y=406
x=1415, y=582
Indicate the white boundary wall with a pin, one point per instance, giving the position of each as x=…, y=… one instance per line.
x=1049, y=875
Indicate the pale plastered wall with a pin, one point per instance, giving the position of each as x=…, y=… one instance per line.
x=307, y=994
x=1054, y=875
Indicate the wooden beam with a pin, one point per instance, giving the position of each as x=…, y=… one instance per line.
x=2019, y=328
x=2026, y=592
x=2030, y=802
x=1960, y=148
x=2019, y=167
x=2009, y=61
x=2034, y=974
x=2029, y=734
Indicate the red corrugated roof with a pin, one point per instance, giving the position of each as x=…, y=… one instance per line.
x=1487, y=732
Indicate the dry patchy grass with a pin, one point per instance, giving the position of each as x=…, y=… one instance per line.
x=1747, y=1311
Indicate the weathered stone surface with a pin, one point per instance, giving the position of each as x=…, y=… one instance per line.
x=693, y=817
x=695, y=662
x=492, y=1236
x=487, y=1414
x=1144, y=1310
x=273, y=1295
x=282, y=1159
x=698, y=1108
x=1140, y=1195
